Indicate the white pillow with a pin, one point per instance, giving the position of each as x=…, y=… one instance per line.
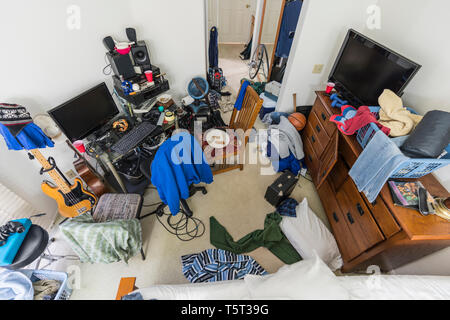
x=305, y=280
x=307, y=234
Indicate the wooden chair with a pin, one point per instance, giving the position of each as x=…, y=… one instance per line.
x=242, y=121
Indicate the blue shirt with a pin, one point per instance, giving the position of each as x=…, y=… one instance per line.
x=178, y=163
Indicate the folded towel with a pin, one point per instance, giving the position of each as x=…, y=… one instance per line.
x=14, y=285
x=376, y=164
x=394, y=116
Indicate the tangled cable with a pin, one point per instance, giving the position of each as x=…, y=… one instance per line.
x=186, y=228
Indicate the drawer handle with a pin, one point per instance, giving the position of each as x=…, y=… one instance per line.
x=317, y=128
x=309, y=157
x=313, y=139
x=335, y=217
x=324, y=117
x=350, y=218
x=360, y=209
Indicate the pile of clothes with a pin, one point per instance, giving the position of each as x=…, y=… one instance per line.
x=413, y=136
x=14, y=285
x=351, y=120
x=103, y=242
x=395, y=116
x=284, y=146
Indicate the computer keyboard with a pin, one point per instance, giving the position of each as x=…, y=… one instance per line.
x=133, y=138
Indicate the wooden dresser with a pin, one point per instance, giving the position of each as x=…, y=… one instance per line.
x=378, y=233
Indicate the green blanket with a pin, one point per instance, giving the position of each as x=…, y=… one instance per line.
x=271, y=238
x=104, y=242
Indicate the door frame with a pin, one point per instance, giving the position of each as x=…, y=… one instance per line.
x=272, y=60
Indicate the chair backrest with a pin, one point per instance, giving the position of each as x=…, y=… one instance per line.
x=246, y=117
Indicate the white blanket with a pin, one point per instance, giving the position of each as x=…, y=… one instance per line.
x=314, y=276
x=389, y=287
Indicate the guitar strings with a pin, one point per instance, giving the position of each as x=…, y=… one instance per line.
x=71, y=196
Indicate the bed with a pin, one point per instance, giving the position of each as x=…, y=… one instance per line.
x=307, y=279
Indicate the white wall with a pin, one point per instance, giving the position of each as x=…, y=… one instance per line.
x=43, y=63
x=175, y=34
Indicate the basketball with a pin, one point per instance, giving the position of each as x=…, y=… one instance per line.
x=298, y=120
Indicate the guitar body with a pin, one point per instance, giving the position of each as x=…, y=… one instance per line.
x=89, y=176
x=72, y=204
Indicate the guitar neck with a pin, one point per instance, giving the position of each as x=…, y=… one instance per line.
x=59, y=181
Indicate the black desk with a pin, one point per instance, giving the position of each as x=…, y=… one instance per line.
x=109, y=159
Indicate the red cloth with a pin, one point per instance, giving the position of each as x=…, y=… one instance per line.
x=362, y=118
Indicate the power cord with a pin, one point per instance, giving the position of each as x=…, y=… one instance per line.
x=105, y=68
x=187, y=228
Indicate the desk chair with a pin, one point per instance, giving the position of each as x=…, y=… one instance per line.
x=186, y=220
x=244, y=120
x=145, y=166
x=34, y=246
x=185, y=209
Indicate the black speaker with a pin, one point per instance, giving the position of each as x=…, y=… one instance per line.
x=131, y=34
x=109, y=44
x=140, y=54
x=122, y=65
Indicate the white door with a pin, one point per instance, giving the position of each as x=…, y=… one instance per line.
x=234, y=20
x=273, y=9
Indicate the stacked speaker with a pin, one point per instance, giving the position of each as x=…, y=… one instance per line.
x=127, y=65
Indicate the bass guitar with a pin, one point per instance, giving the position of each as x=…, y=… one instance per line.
x=72, y=200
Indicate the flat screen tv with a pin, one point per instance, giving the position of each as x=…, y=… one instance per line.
x=86, y=113
x=364, y=68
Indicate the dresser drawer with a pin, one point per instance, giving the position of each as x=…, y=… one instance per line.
x=310, y=135
x=324, y=117
x=358, y=216
x=328, y=159
x=312, y=162
x=383, y=216
x=348, y=246
x=346, y=152
x=339, y=174
x=318, y=129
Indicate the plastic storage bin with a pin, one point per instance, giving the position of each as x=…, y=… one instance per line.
x=64, y=291
x=414, y=167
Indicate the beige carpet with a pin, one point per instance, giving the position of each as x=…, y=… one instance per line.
x=235, y=198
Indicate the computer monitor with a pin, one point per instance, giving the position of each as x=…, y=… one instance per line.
x=364, y=68
x=86, y=113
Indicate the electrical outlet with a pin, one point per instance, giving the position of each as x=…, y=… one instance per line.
x=317, y=68
x=71, y=174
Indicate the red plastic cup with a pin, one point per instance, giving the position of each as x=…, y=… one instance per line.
x=80, y=146
x=149, y=75
x=330, y=87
